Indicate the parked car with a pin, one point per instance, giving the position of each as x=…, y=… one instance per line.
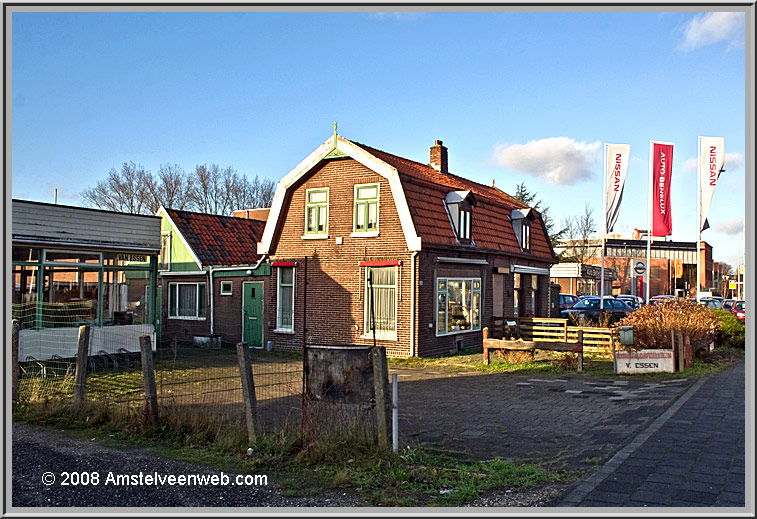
x=728, y=303
x=709, y=302
x=739, y=310
x=656, y=300
x=588, y=310
x=567, y=301
x=634, y=302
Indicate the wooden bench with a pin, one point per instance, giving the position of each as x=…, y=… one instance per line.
x=507, y=337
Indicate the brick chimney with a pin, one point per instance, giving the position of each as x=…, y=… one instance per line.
x=439, y=157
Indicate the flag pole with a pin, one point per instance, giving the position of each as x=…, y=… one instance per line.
x=699, y=209
x=604, y=231
x=649, y=225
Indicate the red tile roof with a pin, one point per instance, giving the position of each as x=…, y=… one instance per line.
x=425, y=189
x=219, y=240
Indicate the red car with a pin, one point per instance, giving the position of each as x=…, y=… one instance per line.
x=738, y=308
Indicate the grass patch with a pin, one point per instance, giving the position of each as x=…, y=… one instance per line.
x=376, y=475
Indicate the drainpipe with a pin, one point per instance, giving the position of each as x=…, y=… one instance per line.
x=412, y=304
x=212, y=307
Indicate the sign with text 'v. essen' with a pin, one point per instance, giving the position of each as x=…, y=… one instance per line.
x=644, y=361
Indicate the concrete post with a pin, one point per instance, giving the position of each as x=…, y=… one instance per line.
x=148, y=375
x=248, y=390
x=380, y=383
x=80, y=378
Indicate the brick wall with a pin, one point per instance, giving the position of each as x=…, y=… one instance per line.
x=228, y=308
x=329, y=283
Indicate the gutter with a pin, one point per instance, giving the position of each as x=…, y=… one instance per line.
x=412, y=303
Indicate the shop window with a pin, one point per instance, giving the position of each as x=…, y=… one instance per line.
x=458, y=306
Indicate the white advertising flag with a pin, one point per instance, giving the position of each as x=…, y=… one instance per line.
x=617, y=165
x=711, y=157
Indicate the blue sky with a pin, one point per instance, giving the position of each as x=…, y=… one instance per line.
x=260, y=91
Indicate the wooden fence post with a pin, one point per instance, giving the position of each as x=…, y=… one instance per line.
x=380, y=383
x=80, y=378
x=581, y=351
x=248, y=391
x=148, y=375
x=680, y=352
x=14, y=358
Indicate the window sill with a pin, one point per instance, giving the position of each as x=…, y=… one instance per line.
x=186, y=318
x=367, y=234
x=283, y=330
x=226, y=294
x=380, y=337
x=315, y=236
x=457, y=332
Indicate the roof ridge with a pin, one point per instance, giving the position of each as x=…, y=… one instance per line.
x=452, y=175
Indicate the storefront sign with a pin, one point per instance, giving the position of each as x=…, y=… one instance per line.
x=644, y=361
x=132, y=257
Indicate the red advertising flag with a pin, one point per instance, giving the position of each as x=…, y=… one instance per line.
x=662, y=173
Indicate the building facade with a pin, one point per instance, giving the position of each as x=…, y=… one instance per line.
x=362, y=241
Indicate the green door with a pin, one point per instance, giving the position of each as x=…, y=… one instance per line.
x=252, y=313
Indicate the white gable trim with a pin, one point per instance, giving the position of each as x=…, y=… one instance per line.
x=164, y=214
x=363, y=157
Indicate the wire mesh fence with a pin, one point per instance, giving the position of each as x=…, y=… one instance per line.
x=199, y=384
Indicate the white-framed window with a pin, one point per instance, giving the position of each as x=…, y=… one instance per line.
x=458, y=305
x=534, y=294
x=316, y=211
x=516, y=294
x=226, y=288
x=463, y=225
x=525, y=240
x=285, y=300
x=164, y=262
x=383, y=297
x=366, y=208
x=187, y=300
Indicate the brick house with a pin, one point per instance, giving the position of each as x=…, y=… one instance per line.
x=211, y=280
x=443, y=253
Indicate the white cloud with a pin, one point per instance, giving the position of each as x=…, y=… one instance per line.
x=731, y=227
x=708, y=28
x=732, y=161
x=558, y=160
x=690, y=164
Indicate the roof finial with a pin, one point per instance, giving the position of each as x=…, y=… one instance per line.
x=335, y=134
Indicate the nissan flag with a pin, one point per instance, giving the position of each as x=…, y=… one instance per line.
x=615, y=175
x=711, y=157
x=662, y=172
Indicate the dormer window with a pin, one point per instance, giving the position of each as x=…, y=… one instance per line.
x=459, y=206
x=521, y=220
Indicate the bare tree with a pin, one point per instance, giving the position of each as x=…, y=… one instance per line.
x=578, y=232
x=209, y=191
x=246, y=194
x=127, y=191
x=172, y=188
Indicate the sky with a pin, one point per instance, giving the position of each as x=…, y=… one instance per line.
x=517, y=97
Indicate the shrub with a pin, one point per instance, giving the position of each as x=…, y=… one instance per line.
x=652, y=324
x=731, y=332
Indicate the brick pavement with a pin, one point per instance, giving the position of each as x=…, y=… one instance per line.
x=693, y=455
x=569, y=422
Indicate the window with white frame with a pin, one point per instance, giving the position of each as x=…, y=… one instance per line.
x=366, y=208
x=525, y=230
x=285, y=299
x=186, y=300
x=381, y=301
x=164, y=262
x=316, y=211
x=226, y=288
x=463, y=225
x=458, y=305
x=516, y=294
